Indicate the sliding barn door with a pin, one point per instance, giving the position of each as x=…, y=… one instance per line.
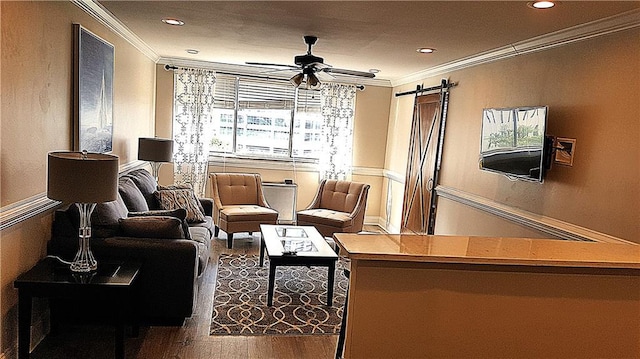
x=421, y=165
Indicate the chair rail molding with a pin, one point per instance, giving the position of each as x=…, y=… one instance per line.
x=22, y=210
x=27, y=208
x=368, y=171
x=394, y=176
x=552, y=226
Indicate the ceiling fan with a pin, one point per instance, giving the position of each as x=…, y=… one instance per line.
x=310, y=66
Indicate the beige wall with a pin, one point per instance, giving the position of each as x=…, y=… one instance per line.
x=369, y=144
x=37, y=118
x=592, y=89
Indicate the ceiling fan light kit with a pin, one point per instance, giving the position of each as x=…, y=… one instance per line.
x=310, y=65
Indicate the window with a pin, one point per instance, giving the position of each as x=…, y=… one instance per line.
x=267, y=118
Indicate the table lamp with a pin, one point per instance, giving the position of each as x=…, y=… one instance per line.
x=155, y=150
x=84, y=179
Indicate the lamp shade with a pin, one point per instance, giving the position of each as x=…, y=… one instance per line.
x=155, y=149
x=82, y=177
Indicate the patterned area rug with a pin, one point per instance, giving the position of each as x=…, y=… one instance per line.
x=299, y=299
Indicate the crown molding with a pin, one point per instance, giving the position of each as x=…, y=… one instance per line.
x=102, y=15
x=620, y=22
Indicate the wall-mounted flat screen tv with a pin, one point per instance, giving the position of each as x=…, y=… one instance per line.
x=513, y=142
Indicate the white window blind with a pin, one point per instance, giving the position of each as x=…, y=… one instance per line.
x=255, y=117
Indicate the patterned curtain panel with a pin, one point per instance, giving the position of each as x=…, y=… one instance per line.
x=338, y=108
x=192, y=132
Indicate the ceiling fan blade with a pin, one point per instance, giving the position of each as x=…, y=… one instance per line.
x=272, y=65
x=324, y=76
x=349, y=72
x=272, y=71
x=318, y=66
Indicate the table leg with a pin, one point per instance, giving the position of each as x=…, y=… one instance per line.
x=331, y=277
x=261, y=249
x=272, y=279
x=119, y=337
x=24, y=324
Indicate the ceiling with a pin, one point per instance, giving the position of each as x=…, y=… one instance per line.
x=355, y=35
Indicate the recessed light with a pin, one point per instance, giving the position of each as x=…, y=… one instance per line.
x=426, y=50
x=172, y=21
x=193, y=51
x=374, y=71
x=541, y=4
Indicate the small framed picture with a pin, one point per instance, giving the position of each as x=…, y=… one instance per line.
x=565, y=149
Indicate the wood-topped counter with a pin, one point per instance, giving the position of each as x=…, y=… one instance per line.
x=413, y=296
x=488, y=250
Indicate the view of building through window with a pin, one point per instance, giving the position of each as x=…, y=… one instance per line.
x=266, y=118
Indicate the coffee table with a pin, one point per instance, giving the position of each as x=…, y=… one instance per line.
x=296, y=246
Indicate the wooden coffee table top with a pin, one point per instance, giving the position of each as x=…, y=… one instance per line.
x=300, y=241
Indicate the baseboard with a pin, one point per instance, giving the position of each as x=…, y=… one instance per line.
x=372, y=220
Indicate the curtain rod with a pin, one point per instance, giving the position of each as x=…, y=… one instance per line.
x=172, y=67
x=419, y=89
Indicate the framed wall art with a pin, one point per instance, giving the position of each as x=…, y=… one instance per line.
x=93, y=91
x=565, y=149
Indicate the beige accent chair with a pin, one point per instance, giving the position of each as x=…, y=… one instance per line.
x=238, y=204
x=338, y=207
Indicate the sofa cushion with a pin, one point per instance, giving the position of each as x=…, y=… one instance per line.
x=146, y=184
x=131, y=195
x=208, y=224
x=181, y=198
x=179, y=213
x=247, y=213
x=203, y=238
x=325, y=216
x=106, y=216
x=152, y=227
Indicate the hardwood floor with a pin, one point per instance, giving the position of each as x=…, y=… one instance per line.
x=192, y=340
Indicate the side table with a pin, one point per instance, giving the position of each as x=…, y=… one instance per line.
x=51, y=279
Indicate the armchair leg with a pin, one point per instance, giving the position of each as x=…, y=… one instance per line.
x=216, y=231
x=229, y=240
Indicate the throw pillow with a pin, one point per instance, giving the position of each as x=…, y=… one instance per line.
x=152, y=227
x=182, y=186
x=179, y=213
x=147, y=185
x=105, y=216
x=131, y=195
x=181, y=198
